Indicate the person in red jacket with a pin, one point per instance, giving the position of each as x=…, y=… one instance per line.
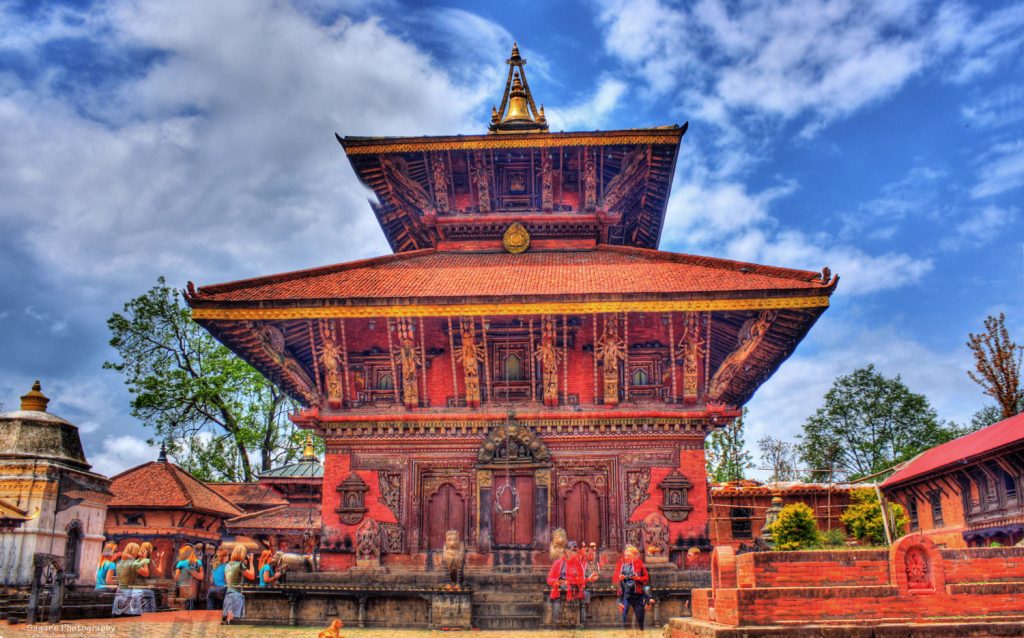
x=566, y=581
x=631, y=576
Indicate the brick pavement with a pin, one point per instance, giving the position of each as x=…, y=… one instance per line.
x=205, y=624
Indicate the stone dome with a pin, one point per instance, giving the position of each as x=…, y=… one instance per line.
x=34, y=433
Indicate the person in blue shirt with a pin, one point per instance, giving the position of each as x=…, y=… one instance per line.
x=268, y=573
x=187, y=571
x=106, y=573
x=215, y=596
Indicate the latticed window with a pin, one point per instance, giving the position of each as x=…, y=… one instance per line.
x=741, y=523
x=385, y=382
x=513, y=368
x=912, y=513
x=936, y=500
x=640, y=377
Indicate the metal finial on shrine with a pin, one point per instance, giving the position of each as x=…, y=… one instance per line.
x=518, y=112
x=35, y=400
x=163, y=453
x=308, y=454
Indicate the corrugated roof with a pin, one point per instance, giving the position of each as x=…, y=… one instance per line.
x=163, y=484
x=301, y=469
x=427, y=274
x=995, y=436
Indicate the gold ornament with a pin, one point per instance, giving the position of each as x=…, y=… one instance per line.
x=516, y=239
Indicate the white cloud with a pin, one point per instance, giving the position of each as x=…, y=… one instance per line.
x=592, y=113
x=998, y=108
x=119, y=453
x=1001, y=170
x=980, y=227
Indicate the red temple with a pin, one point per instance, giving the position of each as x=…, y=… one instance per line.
x=527, y=359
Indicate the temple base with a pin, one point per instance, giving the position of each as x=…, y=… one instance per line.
x=966, y=627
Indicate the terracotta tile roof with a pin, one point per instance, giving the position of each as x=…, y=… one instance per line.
x=283, y=517
x=249, y=496
x=998, y=435
x=432, y=274
x=162, y=484
x=782, y=487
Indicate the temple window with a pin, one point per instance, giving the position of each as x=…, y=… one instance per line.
x=640, y=377
x=741, y=525
x=936, y=501
x=133, y=519
x=385, y=382
x=513, y=368
x=912, y=513
x=72, y=550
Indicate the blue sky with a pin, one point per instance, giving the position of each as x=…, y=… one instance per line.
x=195, y=140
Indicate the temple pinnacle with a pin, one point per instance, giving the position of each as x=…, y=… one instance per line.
x=35, y=400
x=518, y=112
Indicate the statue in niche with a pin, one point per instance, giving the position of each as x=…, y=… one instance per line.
x=548, y=356
x=611, y=350
x=918, y=566
x=751, y=335
x=547, y=202
x=453, y=557
x=692, y=347
x=410, y=357
x=483, y=184
x=590, y=184
x=440, y=183
x=471, y=355
x=655, y=531
x=368, y=541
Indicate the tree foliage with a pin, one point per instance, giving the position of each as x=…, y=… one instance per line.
x=780, y=457
x=795, y=528
x=868, y=423
x=863, y=518
x=727, y=460
x=997, y=362
x=215, y=412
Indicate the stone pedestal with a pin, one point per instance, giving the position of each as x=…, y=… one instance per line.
x=451, y=611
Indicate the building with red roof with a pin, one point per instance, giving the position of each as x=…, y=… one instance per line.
x=966, y=492
x=527, y=359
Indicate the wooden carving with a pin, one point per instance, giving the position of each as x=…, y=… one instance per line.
x=273, y=345
x=638, y=482
x=655, y=536
x=330, y=360
x=403, y=188
x=692, y=348
x=392, y=537
x=547, y=202
x=631, y=175
x=440, y=175
x=513, y=443
x=470, y=355
x=352, y=493
x=391, y=491
x=751, y=335
x=590, y=184
x=482, y=179
x=410, y=357
x=611, y=350
x=548, y=355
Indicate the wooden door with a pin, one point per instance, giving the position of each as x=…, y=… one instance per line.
x=581, y=514
x=513, y=530
x=445, y=510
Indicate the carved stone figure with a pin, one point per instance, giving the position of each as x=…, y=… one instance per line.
x=637, y=484
x=751, y=335
x=547, y=202
x=391, y=490
x=692, y=347
x=470, y=355
x=483, y=184
x=514, y=443
x=453, y=557
x=590, y=184
x=918, y=566
x=611, y=350
x=548, y=355
x=440, y=183
x=330, y=359
x=368, y=541
x=656, y=536
x=410, y=357
x=559, y=541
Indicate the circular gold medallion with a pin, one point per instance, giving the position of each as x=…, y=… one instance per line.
x=516, y=239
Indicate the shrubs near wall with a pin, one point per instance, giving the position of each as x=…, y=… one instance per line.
x=795, y=528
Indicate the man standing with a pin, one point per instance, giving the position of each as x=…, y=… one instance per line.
x=591, y=572
x=565, y=578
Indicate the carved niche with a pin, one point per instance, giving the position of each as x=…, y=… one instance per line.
x=655, y=535
x=353, y=499
x=391, y=536
x=368, y=541
x=675, y=503
x=513, y=443
x=637, y=484
x=919, y=570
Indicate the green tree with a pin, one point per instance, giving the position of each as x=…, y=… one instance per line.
x=727, y=460
x=780, y=457
x=863, y=517
x=795, y=528
x=988, y=415
x=869, y=423
x=997, y=362
x=215, y=412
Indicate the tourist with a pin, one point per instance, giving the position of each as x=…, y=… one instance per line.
x=269, y=562
x=566, y=581
x=631, y=575
x=187, y=571
x=238, y=567
x=215, y=597
x=591, y=572
x=106, y=573
x=131, y=600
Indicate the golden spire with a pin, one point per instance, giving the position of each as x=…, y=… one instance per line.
x=35, y=400
x=309, y=454
x=518, y=113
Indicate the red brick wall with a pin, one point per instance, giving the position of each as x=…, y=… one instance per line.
x=813, y=569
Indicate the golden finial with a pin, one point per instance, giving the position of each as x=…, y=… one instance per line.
x=309, y=454
x=495, y=118
x=518, y=113
x=35, y=400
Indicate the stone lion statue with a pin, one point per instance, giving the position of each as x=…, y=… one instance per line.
x=453, y=556
x=559, y=541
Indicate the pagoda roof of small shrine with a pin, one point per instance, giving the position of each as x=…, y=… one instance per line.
x=602, y=274
x=164, y=485
x=941, y=458
x=299, y=470
x=249, y=496
x=293, y=518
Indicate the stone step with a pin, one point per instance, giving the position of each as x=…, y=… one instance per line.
x=532, y=596
x=506, y=622
x=508, y=609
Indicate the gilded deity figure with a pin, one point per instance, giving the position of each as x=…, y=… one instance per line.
x=590, y=184
x=548, y=356
x=483, y=185
x=471, y=356
x=692, y=347
x=330, y=356
x=750, y=337
x=440, y=184
x=410, y=357
x=547, y=202
x=611, y=350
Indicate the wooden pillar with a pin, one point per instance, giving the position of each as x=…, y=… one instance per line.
x=672, y=355
x=451, y=353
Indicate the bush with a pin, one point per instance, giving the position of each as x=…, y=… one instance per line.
x=795, y=528
x=832, y=538
x=863, y=518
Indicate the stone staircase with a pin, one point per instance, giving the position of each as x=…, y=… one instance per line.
x=508, y=601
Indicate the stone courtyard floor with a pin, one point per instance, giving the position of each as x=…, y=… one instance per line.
x=206, y=624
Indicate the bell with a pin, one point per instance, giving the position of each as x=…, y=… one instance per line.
x=518, y=109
